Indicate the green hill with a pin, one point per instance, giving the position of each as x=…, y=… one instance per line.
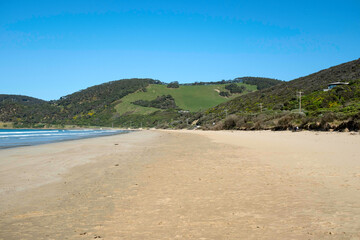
x=281, y=100
x=241, y=103
x=117, y=102
x=279, y=96
x=97, y=98
x=192, y=98
x=19, y=108
x=91, y=106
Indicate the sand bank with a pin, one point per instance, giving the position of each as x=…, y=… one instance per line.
x=184, y=185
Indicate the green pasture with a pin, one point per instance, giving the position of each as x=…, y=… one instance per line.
x=192, y=98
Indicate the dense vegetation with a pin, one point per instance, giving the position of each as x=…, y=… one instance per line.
x=259, y=82
x=173, y=85
x=162, y=102
x=234, y=88
x=92, y=106
x=224, y=94
x=279, y=97
x=25, y=100
x=97, y=98
x=276, y=107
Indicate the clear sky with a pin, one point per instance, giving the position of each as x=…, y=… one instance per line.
x=51, y=48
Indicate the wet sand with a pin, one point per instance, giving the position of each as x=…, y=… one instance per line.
x=184, y=185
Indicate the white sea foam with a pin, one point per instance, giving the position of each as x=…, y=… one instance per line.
x=11, y=138
x=12, y=133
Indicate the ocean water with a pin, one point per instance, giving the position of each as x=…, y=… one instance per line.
x=26, y=137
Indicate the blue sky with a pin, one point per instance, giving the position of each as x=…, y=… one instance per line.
x=49, y=49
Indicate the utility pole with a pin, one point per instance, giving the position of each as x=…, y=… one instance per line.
x=260, y=107
x=300, y=100
x=226, y=112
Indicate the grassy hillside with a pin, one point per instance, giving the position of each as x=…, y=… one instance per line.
x=192, y=98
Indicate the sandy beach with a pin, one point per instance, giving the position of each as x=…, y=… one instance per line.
x=184, y=185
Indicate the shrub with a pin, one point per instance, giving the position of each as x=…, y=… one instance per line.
x=230, y=122
x=224, y=94
x=285, y=121
x=258, y=126
x=217, y=126
x=234, y=88
x=173, y=85
x=329, y=117
x=162, y=102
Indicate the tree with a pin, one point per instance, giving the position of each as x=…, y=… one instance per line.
x=234, y=88
x=224, y=94
x=173, y=85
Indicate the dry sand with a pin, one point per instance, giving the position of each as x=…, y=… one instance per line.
x=184, y=185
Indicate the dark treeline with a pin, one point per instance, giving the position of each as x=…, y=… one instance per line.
x=20, y=99
x=173, y=85
x=161, y=102
x=234, y=88
x=260, y=82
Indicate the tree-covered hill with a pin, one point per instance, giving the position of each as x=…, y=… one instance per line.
x=25, y=100
x=278, y=97
x=18, y=108
x=98, y=97
x=91, y=106
x=109, y=91
x=283, y=99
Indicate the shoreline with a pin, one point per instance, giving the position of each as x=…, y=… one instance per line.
x=78, y=137
x=41, y=154
x=169, y=184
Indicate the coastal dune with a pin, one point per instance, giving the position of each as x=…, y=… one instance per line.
x=184, y=185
